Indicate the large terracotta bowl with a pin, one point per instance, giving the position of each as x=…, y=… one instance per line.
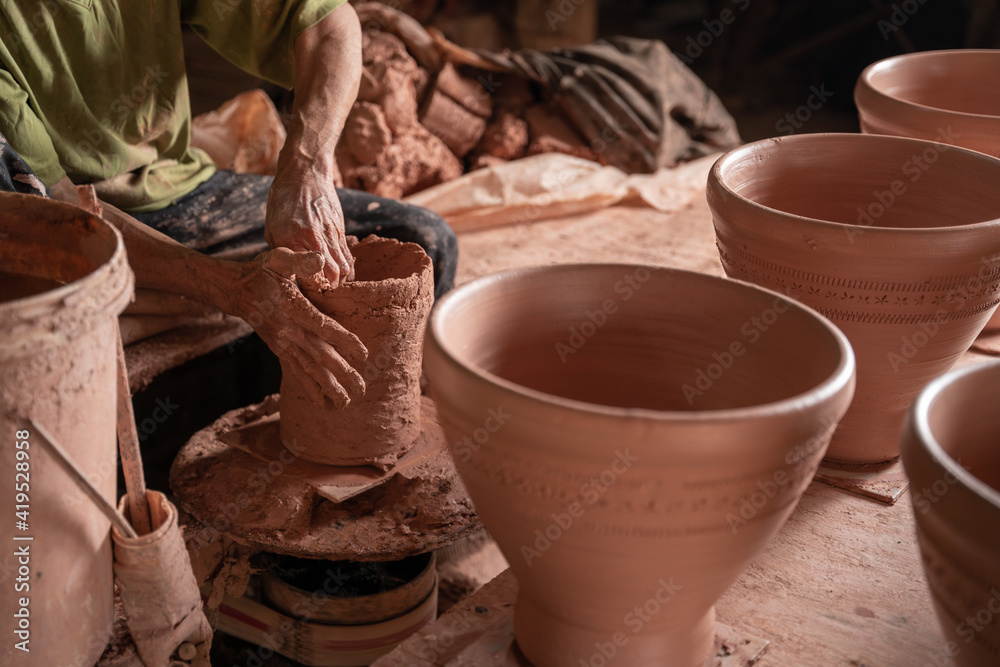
x=947, y=96
x=951, y=456
x=901, y=262
x=631, y=438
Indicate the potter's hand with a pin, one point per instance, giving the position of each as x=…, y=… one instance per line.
x=268, y=298
x=304, y=214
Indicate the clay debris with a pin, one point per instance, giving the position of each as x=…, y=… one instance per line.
x=419, y=121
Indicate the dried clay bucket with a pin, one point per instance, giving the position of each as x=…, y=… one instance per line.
x=386, y=306
x=947, y=96
x=57, y=367
x=893, y=239
x=951, y=456
x=632, y=439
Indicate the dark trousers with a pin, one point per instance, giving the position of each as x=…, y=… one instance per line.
x=224, y=217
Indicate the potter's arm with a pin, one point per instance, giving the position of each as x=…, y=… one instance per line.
x=263, y=292
x=303, y=211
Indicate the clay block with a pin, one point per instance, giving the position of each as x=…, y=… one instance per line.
x=415, y=160
x=366, y=134
x=506, y=137
x=550, y=133
x=465, y=91
x=458, y=128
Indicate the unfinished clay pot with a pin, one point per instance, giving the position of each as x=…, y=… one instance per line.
x=891, y=238
x=945, y=96
x=63, y=281
x=951, y=456
x=386, y=306
x=631, y=436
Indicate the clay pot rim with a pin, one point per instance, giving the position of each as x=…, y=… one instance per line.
x=819, y=395
x=925, y=439
x=866, y=86
x=716, y=181
x=374, y=240
x=94, y=278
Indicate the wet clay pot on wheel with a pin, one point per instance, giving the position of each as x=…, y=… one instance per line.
x=386, y=306
x=946, y=96
x=951, y=456
x=630, y=442
x=891, y=238
x=65, y=281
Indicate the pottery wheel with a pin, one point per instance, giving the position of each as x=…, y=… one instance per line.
x=273, y=503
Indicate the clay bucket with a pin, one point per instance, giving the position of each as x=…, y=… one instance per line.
x=631, y=439
x=386, y=307
x=57, y=366
x=947, y=96
x=904, y=267
x=951, y=456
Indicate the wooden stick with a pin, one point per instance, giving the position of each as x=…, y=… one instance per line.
x=82, y=482
x=128, y=445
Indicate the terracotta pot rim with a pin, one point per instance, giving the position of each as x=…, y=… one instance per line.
x=87, y=282
x=716, y=181
x=926, y=440
x=865, y=84
x=815, y=397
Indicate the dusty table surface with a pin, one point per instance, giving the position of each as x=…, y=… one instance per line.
x=842, y=583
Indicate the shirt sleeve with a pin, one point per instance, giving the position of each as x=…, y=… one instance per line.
x=25, y=132
x=258, y=36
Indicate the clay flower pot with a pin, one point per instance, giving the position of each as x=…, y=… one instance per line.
x=386, y=306
x=631, y=436
x=893, y=239
x=950, y=455
x=946, y=96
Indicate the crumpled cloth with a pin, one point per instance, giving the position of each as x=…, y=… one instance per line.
x=16, y=175
x=632, y=99
x=163, y=608
x=551, y=185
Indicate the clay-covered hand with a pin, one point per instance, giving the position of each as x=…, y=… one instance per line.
x=304, y=215
x=268, y=297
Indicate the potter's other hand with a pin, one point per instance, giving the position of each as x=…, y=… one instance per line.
x=315, y=346
x=304, y=214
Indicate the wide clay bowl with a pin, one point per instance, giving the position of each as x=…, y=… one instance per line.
x=952, y=458
x=946, y=96
x=893, y=239
x=631, y=436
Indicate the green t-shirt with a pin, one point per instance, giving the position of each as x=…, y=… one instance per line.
x=96, y=89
